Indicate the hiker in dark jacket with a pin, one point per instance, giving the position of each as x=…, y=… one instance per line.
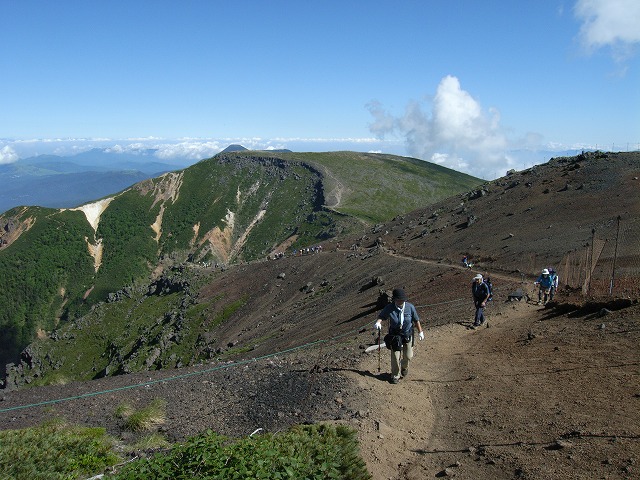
x=554, y=283
x=480, y=292
x=402, y=316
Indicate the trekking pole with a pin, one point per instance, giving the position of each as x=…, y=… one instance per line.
x=379, y=353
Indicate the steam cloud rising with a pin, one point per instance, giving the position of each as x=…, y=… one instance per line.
x=457, y=133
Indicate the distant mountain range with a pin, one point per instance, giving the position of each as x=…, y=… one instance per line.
x=62, y=182
x=65, y=182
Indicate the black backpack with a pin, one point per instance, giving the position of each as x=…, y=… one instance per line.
x=489, y=285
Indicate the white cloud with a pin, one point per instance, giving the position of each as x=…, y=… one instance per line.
x=457, y=133
x=192, y=150
x=116, y=149
x=185, y=149
x=181, y=150
x=383, y=123
x=323, y=140
x=609, y=23
x=8, y=155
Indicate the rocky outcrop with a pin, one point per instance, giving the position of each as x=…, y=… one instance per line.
x=11, y=227
x=153, y=343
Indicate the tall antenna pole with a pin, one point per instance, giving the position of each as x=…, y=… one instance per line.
x=615, y=256
x=590, y=260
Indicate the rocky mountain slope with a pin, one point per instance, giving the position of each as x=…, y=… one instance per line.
x=544, y=392
x=238, y=206
x=195, y=313
x=579, y=214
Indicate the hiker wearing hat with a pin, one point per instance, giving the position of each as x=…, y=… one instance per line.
x=545, y=282
x=480, y=292
x=402, y=316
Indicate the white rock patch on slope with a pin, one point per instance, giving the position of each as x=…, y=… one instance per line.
x=93, y=211
x=168, y=188
x=219, y=240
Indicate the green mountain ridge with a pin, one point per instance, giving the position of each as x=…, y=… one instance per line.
x=237, y=206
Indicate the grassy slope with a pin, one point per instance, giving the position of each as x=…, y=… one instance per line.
x=211, y=190
x=45, y=270
x=377, y=187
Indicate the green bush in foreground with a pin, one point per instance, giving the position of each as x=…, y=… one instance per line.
x=312, y=452
x=146, y=419
x=54, y=451
x=58, y=451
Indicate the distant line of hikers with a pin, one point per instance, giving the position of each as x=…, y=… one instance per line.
x=299, y=252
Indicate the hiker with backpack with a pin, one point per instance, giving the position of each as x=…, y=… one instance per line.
x=554, y=283
x=481, y=293
x=544, y=283
x=402, y=317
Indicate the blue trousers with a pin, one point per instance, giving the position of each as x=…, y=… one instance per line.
x=479, y=318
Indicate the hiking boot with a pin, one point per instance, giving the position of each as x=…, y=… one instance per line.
x=404, y=372
x=395, y=380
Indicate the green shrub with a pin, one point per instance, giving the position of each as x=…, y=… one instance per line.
x=128, y=242
x=43, y=271
x=147, y=418
x=313, y=451
x=58, y=451
x=153, y=441
x=54, y=451
x=124, y=410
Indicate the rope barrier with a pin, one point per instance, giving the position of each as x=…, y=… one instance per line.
x=199, y=372
x=178, y=377
x=442, y=303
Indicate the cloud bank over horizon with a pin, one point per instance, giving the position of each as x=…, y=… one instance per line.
x=460, y=121
x=184, y=151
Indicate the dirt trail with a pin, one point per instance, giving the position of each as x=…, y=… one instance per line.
x=437, y=263
x=403, y=417
x=513, y=400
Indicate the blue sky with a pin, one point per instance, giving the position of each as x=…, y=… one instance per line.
x=465, y=84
